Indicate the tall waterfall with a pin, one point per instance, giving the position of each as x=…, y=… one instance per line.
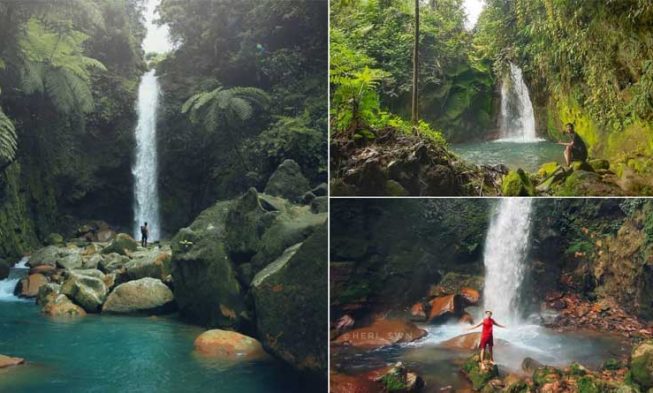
x=145, y=169
x=517, y=120
x=505, y=253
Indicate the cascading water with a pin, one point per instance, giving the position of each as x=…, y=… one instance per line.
x=517, y=120
x=504, y=259
x=145, y=169
x=8, y=285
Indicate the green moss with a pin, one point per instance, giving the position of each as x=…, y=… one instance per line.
x=547, y=169
x=478, y=377
x=597, y=164
x=577, y=369
x=581, y=166
x=546, y=374
x=393, y=383
x=393, y=188
x=517, y=183
x=612, y=364
x=641, y=365
x=587, y=384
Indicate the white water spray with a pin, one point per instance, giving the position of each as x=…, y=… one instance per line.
x=517, y=120
x=145, y=169
x=505, y=256
x=8, y=285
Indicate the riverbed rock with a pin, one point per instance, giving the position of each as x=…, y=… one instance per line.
x=54, y=239
x=641, y=364
x=445, y=306
x=46, y=270
x=70, y=259
x=529, y=365
x=470, y=295
x=9, y=361
x=417, y=312
x=381, y=333
x=206, y=288
x=62, y=306
x=395, y=378
x=466, y=318
x=29, y=286
x=228, y=345
x=85, y=288
x=154, y=263
x=47, y=293
x=44, y=256
x=123, y=244
x=342, y=383
x=291, y=289
x=287, y=181
x=467, y=341
x=144, y=296
x=112, y=262
x=517, y=183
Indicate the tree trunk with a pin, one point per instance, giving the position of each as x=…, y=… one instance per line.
x=415, y=114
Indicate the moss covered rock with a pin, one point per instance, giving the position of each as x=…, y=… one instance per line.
x=547, y=169
x=517, y=183
x=546, y=374
x=287, y=181
x=641, y=364
x=477, y=376
x=599, y=164
x=54, y=239
x=290, y=297
x=122, y=244
x=86, y=288
x=144, y=296
x=206, y=288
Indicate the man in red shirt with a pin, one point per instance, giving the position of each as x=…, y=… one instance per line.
x=487, y=340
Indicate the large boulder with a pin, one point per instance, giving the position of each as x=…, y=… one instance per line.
x=86, y=288
x=260, y=227
x=206, y=288
x=381, y=333
x=290, y=297
x=228, y=345
x=479, y=376
x=342, y=383
x=61, y=306
x=641, y=364
x=47, y=294
x=29, y=286
x=112, y=261
x=123, y=244
x=154, y=263
x=287, y=181
x=445, y=306
x=144, y=296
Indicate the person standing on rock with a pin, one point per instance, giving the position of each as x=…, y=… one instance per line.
x=487, y=339
x=145, y=231
x=576, y=150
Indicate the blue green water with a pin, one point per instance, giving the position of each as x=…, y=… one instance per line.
x=121, y=354
x=528, y=156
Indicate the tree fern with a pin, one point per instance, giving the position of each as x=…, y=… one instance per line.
x=54, y=65
x=8, y=139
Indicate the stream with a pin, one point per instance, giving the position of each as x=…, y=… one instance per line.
x=526, y=155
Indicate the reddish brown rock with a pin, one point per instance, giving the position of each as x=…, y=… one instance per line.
x=417, y=312
x=467, y=341
x=341, y=383
x=8, y=361
x=381, y=333
x=445, y=306
x=466, y=318
x=471, y=296
x=46, y=270
x=29, y=286
x=61, y=306
x=228, y=345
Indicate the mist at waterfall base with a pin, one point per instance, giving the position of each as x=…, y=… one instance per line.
x=505, y=267
x=101, y=353
x=517, y=145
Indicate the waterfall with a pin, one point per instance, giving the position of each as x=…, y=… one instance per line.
x=517, y=119
x=145, y=169
x=8, y=285
x=504, y=259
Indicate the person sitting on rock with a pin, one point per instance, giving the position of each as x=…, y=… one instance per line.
x=576, y=150
x=145, y=232
x=487, y=339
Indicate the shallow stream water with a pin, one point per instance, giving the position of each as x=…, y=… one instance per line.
x=528, y=156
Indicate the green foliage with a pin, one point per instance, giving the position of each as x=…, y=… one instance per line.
x=455, y=82
x=393, y=383
x=54, y=65
x=8, y=139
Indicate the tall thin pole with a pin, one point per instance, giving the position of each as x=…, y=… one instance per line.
x=415, y=114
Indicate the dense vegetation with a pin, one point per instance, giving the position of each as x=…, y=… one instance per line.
x=256, y=72
x=68, y=73
x=244, y=89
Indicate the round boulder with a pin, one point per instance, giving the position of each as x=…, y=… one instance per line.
x=228, y=345
x=29, y=286
x=144, y=296
x=641, y=364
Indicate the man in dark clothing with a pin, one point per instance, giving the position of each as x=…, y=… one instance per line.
x=576, y=150
x=145, y=231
